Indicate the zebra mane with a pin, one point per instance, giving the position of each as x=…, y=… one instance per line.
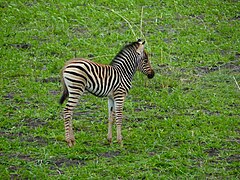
x=126, y=47
x=132, y=44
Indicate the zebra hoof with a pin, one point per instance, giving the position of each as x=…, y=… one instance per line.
x=120, y=143
x=109, y=140
x=70, y=143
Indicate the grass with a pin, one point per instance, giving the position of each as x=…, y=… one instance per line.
x=183, y=124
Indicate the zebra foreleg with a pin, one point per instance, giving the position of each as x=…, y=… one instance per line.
x=118, y=113
x=110, y=118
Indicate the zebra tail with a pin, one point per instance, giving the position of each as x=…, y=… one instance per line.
x=65, y=93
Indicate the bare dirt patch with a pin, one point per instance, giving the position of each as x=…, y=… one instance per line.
x=110, y=154
x=64, y=162
x=8, y=96
x=49, y=80
x=34, y=122
x=19, y=46
x=212, y=152
x=41, y=141
x=233, y=158
x=231, y=65
x=54, y=92
x=11, y=135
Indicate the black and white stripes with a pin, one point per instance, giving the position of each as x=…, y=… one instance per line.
x=113, y=81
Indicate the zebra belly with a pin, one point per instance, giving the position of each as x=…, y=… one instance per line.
x=100, y=93
x=101, y=88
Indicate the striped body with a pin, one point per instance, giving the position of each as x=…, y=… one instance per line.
x=97, y=79
x=113, y=81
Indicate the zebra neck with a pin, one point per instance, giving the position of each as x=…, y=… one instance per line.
x=125, y=68
x=126, y=62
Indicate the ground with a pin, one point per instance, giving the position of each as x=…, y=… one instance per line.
x=183, y=123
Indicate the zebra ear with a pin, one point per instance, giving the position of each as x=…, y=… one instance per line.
x=140, y=48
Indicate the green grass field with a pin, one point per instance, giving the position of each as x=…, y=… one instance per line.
x=182, y=124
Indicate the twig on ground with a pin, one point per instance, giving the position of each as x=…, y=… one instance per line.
x=236, y=83
x=141, y=23
x=125, y=19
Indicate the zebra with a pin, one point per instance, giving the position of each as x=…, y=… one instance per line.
x=112, y=81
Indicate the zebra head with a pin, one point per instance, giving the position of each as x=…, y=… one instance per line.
x=144, y=64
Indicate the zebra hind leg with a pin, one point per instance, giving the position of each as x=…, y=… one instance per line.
x=69, y=132
x=118, y=114
x=68, y=113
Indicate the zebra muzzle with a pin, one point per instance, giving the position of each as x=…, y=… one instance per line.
x=151, y=75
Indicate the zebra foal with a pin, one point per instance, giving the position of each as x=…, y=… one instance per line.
x=113, y=80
